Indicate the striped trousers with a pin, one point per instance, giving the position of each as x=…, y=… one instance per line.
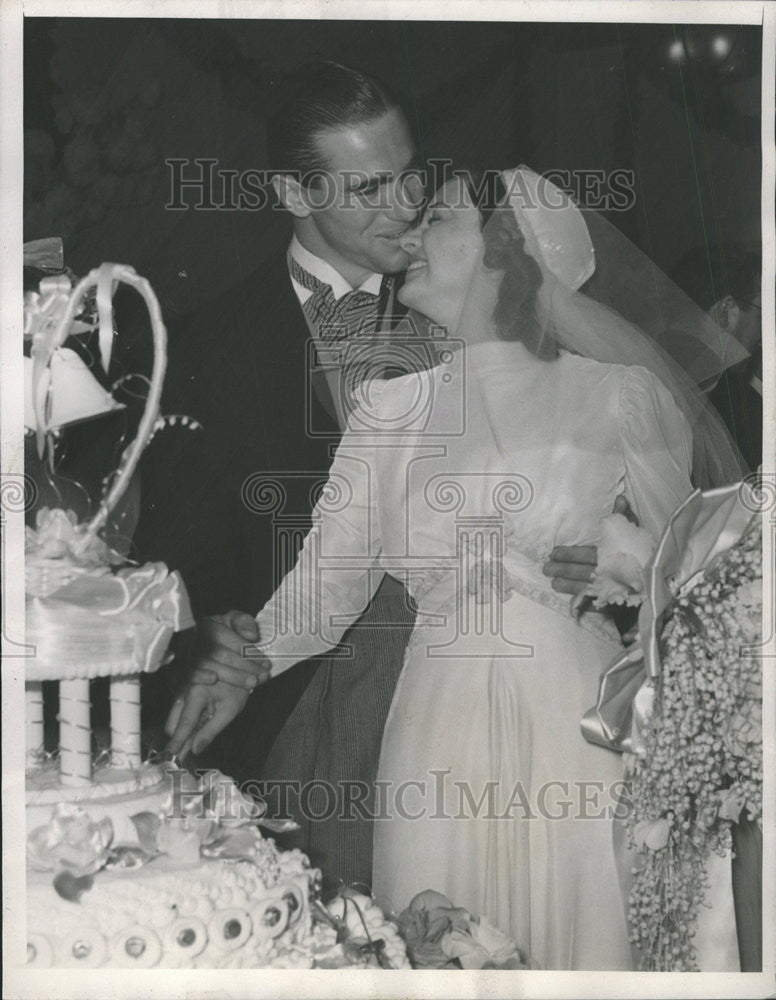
x=322, y=767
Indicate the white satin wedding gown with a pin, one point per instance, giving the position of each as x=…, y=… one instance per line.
x=459, y=481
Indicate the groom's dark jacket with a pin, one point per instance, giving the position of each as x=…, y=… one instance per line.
x=238, y=366
x=218, y=502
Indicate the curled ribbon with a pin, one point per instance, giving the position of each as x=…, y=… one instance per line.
x=44, y=319
x=698, y=533
x=106, y=286
x=46, y=254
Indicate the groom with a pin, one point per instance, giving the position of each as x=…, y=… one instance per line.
x=349, y=129
x=273, y=402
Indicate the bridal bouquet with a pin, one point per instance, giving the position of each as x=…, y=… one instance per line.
x=701, y=763
x=685, y=704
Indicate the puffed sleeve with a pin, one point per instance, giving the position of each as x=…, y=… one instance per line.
x=656, y=442
x=336, y=573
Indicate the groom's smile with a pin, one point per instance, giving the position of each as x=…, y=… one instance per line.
x=366, y=197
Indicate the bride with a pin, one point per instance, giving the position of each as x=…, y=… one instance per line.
x=460, y=480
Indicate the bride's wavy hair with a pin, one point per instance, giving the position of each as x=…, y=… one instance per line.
x=515, y=314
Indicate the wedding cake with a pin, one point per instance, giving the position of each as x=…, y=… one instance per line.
x=131, y=863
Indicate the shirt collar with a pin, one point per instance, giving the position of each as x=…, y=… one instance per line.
x=324, y=272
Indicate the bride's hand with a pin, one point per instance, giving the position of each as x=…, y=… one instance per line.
x=225, y=673
x=224, y=652
x=200, y=713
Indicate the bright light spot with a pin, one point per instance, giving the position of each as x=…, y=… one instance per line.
x=676, y=50
x=721, y=46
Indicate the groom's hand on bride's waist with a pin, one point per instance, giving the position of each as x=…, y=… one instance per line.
x=572, y=566
x=226, y=652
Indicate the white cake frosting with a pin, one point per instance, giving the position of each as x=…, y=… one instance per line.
x=173, y=875
x=212, y=914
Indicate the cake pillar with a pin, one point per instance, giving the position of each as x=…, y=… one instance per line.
x=75, y=732
x=125, y=720
x=33, y=712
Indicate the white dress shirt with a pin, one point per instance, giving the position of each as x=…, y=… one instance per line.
x=324, y=272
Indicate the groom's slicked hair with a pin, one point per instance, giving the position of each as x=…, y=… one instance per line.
x=314, y=98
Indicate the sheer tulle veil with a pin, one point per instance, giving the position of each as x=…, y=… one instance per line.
x=631, y=314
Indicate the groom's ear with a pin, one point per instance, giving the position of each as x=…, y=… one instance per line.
x=726, y=313
x=291, y=195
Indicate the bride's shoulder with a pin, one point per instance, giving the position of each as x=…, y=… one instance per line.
x=628, y=390
x=618, y=374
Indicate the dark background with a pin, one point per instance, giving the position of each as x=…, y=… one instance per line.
x=108, y=100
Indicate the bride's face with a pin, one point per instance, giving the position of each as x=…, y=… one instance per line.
x=445, y=251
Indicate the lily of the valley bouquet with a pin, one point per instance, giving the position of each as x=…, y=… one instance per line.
x=684, y=703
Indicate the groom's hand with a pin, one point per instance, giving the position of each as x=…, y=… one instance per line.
x=225, y=654
x=572, y=566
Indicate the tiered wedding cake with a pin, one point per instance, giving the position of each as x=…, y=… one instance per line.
x=131, y=864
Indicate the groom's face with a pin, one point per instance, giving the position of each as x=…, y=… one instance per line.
x=368, y=196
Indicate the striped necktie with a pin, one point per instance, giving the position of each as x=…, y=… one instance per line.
x=354, y=314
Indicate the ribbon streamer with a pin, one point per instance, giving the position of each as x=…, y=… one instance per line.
x=46, y=254
x=106, y=286
x=698, y=533
x=75, y=735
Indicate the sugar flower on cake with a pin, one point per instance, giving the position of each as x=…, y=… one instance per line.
x=203, y=816
x=71, y=841
x=58, y=537
x=224, y=801
x=482, y=946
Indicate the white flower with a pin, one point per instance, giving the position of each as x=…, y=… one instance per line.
x=499, y=947
x=480, y=945
x=71, y=841
x=652, y=833
x=623, y=552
